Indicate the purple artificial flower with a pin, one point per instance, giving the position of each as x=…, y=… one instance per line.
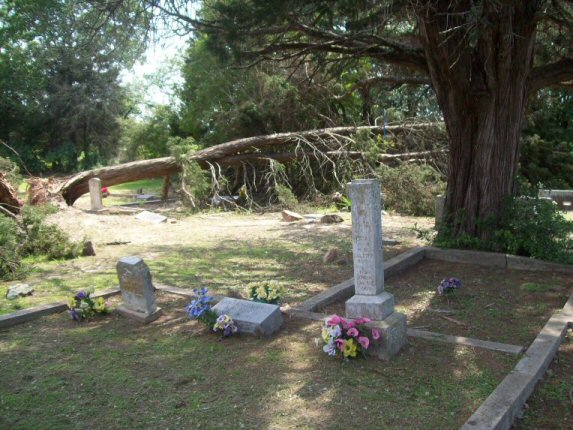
x=74, y=314
x=81, y=295
x=449, y=284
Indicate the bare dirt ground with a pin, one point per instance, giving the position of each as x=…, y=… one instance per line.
x=223, y=251
x=216, y=226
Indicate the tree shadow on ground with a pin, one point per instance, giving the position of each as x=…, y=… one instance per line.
x=115, y=373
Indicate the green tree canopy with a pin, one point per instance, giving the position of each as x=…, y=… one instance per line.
x=59, y=89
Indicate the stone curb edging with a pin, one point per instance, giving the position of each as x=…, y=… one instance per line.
x=501, y=408
x=30, y=314
x=428, y=335
x=345, y=289
x=467, y=341
x=496, y=259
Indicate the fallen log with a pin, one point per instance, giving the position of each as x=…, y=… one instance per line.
x=228, y=153
x=9, y=201
x=77, y=185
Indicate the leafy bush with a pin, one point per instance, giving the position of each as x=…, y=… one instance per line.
x=536, y=228
x=410, y=189
x=529, y=226
x=195, y=182
x=10, y=260
x=44, y=239
x=11, y=171
x=285, y=196
x=32, y=237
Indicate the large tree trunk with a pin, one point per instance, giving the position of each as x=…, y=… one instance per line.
x=479, y=70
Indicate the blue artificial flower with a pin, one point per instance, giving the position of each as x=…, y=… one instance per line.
x=329, y=348
x=81, y=295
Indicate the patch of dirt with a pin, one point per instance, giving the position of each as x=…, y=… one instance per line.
x=105, y=228
x=494, y=304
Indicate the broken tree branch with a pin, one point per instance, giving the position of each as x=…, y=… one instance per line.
x=233, y=153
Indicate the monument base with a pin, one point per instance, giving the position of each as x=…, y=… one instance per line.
x=377, y=308
x=393, y=336
x=139, y=316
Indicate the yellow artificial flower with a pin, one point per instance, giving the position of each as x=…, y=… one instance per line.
x=99, y=304
x=350, y=348
x=72, y=303
x=261, y=293
x=325, y=335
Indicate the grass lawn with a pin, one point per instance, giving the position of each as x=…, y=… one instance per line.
x=149, y=186
x=551, y=405
x=113, y=373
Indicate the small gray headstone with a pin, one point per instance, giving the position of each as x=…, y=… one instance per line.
x=151, y=217
x=19, y=290
x=94, y=185
x=260, y=319
x=137, y=290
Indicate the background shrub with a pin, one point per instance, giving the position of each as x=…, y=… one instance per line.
x=410, y=189
x=10, y=260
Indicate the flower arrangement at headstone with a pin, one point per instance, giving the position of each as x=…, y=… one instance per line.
x=225, y=326
x=449, y=286
x=200, y=308
x=347, y=338
x=265, y=292
x=82, y=306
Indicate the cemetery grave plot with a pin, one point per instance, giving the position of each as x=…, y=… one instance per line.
x=113, y=372
x=495, y=304
x=551, y=406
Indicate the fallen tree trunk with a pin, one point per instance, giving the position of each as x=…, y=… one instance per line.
x=77, y=185
x=228, y=153
x=9, y=201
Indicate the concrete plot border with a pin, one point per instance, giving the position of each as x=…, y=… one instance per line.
x=501, y=408
x=505, y=403
x=36, y=312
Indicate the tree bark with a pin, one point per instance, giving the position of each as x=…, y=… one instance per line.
x=8, y=197
x=77, y=185
x=479, y=71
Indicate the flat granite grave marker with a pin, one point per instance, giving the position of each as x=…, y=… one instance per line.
x=94, y=185
x=259, y=319
x=137, y=290
x=370, y=299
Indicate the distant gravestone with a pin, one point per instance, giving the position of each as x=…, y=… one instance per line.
x=137, y=290
x=370, y=299
x=96, y=198
x=259, y=319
